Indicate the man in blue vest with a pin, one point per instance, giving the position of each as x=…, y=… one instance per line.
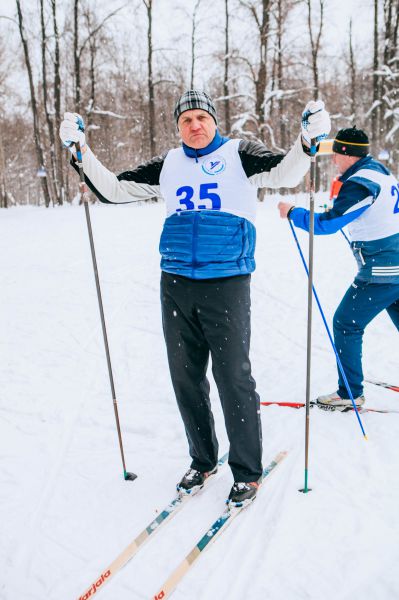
x=368, y=203
x=209, y=185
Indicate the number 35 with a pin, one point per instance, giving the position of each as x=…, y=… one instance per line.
x=186, y=192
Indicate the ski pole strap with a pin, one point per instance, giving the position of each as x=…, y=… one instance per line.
x=339, y=363
x=313, y=147
x=79, y=162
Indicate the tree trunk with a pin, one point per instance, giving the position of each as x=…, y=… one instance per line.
x=76, y=54
x=227, y=121
x=49, y=122
x=92, y=71
x=57, y=105
x=263, y=25
x=315, y=45
x=390, y=89
x=193, y=31
x=3, y=187
x=280, y=80
x=376, y=111
x=352, y=69
x=151, y=95
x=36, y=129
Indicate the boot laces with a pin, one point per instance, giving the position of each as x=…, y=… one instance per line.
x=240, y=486
x=191, y=473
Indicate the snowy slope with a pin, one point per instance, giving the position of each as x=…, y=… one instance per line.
x=66, y=511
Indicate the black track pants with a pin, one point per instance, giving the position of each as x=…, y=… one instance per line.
x=212, y=316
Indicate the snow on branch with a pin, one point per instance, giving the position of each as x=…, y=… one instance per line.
x=272, y=138
x=375, y=105
x=384, y=71
x=241, y=121
x=232, y=96
x=107, y=113
x=390, y=135
x=280, y=94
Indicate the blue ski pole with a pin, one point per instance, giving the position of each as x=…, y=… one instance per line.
x=339, y=363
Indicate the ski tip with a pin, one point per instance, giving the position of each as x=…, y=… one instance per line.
x=366, y=438
x=129, y=476
x=281, y=455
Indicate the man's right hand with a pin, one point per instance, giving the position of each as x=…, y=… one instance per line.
x=72, y=131
x=284, y=208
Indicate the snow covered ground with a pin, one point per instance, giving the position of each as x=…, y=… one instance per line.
x=66, y=511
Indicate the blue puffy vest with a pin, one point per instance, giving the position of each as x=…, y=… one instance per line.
x=207, y=244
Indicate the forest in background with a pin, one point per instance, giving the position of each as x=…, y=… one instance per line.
x=122, y=67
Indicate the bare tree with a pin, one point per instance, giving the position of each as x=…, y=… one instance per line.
x=390, y=96
x=194, y=25
x=226, y=92
x=3, y=187
x=150, y=81
x=352, y=71
x=261, y=18
x=45, y=90
x=93, y=30
x=92, y=42
x=36, y=124
x=315, y=39
x=59, y=182
x=375, y=111
x=281, y=58
x=76, y=53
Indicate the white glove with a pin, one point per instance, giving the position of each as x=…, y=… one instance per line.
x=316, y=122
x=72, y=130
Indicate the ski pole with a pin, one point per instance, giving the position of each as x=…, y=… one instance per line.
x=313, y=150
x=84, y=196
x=339, y=363
x=345, y=236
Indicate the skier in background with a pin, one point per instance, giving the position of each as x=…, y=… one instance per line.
x=368, y=203
x=209, y=185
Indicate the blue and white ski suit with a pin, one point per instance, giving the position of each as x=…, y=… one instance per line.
x=368, y=204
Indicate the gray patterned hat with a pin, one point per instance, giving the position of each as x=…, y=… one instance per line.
x=195, y=99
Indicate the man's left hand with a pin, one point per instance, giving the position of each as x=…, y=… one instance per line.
x=316, y=122
x=284, y=207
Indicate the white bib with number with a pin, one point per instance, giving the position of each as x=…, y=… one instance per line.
x=382, y=218
x=216, y=182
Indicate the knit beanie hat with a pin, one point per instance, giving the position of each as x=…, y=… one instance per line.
x=352, y=142
x=195, y=99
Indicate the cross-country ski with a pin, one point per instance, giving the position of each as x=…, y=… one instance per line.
x=388, y=386
x=131, y=550
x=211, y=535
x=328, y=408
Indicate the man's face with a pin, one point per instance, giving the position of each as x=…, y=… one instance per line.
x=343, y=162
x=197, y=128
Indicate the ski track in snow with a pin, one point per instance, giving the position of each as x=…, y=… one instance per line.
x=66, y=511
